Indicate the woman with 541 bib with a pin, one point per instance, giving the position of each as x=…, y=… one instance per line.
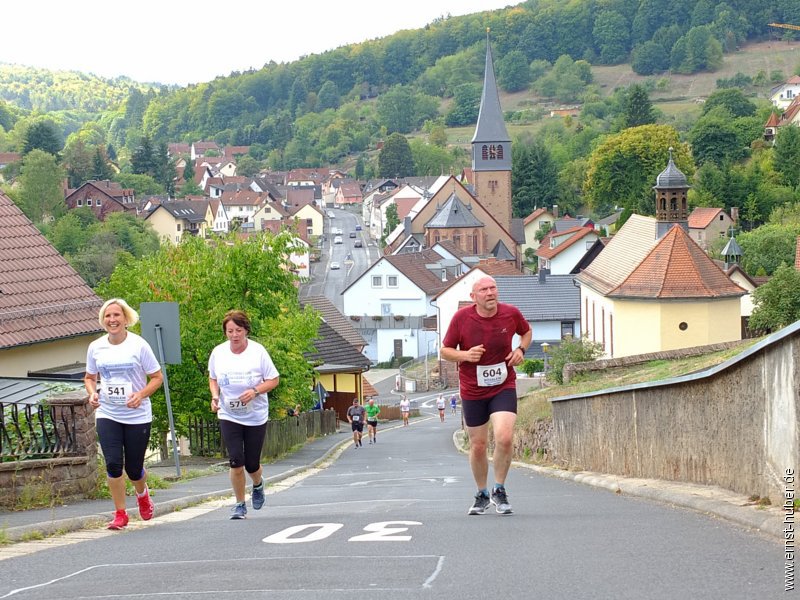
x=240, y=373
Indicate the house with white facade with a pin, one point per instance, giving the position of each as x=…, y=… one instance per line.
x=783, y=94
x=561, y=251
x=217, y=218
x=241, y=205
x=391, y=301
x=535, y=222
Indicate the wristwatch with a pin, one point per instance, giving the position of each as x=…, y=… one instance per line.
x=255, y=391
x=521, y=347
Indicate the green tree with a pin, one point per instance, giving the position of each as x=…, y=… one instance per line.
x=392, y=221
x=69, y=235
x=714, y=139
x=430, y=159
x=649, y=58
x=41, y=195
x=534, y=177
x=637, y=108
x=142, y=161
x=466, y=104
x=328, y=96
x=247, y=166
x=359, y=173
x=570, y=350
x=77, y=158
x=787, y=155
x=611, y=36
x=438, y=136
x=44, y=135
x=142, y=185
x=395, y=158
x=101, y=170
x=768, y=246
x=207, y=280
x=733, y=100
x=622, y=170
x=513, y=72
x=777, y=302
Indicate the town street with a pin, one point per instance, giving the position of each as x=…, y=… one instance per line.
x=391, y=519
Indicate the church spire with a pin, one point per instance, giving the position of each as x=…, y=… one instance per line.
x=491, y=128
x=491, y=150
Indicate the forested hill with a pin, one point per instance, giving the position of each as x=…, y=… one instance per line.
x=43, y=91
x=325, y=107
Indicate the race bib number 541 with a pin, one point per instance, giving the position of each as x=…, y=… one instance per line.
x=490, y=375
x=117, y=393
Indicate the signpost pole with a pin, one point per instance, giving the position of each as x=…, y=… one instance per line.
x=162, y=359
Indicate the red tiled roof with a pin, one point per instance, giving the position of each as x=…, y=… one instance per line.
x=412, y=265
x=677, y=267
x=573, y=235
x=702, y=217
x=791, y=111
x=772, y=121
x=494, y=267
x=42, y=298
x=534, y=215
x=243, y=198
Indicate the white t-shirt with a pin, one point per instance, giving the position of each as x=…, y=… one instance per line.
x=237, y=373
x=122, y=369
x=405, y=405
x=440, y=403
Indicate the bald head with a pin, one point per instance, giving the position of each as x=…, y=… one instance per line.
x=484, y=295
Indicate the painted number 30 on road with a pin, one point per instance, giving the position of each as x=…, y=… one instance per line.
x=384, y=531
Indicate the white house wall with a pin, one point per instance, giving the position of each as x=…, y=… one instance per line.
x=566, y=260
x=362, y=298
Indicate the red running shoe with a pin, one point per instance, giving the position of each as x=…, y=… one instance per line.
x=145, y=506
x=120, y=520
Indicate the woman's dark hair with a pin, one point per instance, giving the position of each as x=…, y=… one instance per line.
x=237, y=316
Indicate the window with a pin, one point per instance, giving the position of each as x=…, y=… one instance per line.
x=567, y=329
x=88, y=202
x=391, y=281
x=485, y=152
x=97, y=203
x=500, y=152
x=386, y=309
x=722, y=217
x=79, y=202
x=179, y=226
x=377, y=281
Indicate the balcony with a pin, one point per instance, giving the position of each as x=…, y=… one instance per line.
x=386, y=321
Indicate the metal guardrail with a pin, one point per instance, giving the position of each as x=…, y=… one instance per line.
x=33, y=431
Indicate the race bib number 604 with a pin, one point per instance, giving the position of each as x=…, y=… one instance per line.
x=490, y=375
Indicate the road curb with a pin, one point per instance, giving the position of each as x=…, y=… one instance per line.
x=60, y=526
x=709, y=500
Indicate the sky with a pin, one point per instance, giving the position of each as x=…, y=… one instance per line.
x=167, y=41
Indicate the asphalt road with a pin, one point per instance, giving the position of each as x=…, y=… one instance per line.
x=390, y=520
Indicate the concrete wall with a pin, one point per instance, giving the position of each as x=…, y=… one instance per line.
x=735, y=425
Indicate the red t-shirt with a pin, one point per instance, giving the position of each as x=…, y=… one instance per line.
x=468, y=329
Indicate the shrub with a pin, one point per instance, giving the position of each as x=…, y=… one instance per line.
x=530, y=366
x=571, y=350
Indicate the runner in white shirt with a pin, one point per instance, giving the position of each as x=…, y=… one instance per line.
x=441, y=405
x=405, y=408
x=240, y=373
x=128, y=374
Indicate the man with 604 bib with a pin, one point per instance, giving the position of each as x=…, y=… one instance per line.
x=479, y=338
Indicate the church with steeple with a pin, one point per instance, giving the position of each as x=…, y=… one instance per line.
x=491, y=150
x=477, y=220
x=653, y=288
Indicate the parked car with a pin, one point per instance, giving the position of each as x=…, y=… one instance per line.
x=330, y=214
x=358, y=227
x=335, y=266
x=357, y=244
x=352, y=234
x=337, y=239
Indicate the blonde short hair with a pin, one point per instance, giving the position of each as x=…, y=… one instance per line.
x=131, y=316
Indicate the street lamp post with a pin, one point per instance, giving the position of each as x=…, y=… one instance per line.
x=545, y=351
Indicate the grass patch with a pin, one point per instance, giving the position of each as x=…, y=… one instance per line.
x=535, y=405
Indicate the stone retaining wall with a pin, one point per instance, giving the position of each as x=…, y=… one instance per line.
x=52, y=480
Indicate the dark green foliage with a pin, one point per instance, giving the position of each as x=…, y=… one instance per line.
x=637, y=108
x=768, y=246
x=733, y=100
x=395, y=159
x=513, y=72
x=534, y=177
x=392, y=221
x=101, y=170
x=570, y=350
x=777, y=302
x=328, y=96
x=43, y=135
x=466, y=104
x=787, y=155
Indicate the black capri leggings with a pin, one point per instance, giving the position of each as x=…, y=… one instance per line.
x=123, y=444
x=244, y=443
